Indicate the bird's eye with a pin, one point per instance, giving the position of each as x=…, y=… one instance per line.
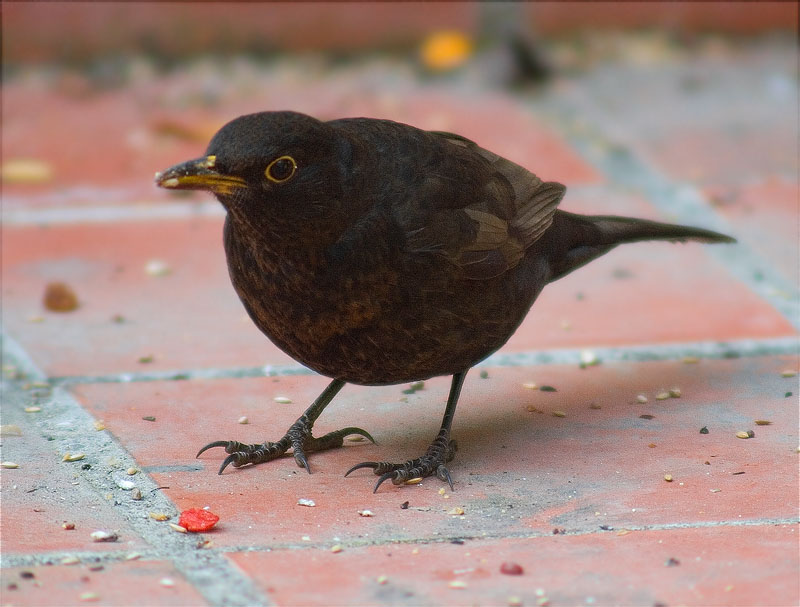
x=281, y=169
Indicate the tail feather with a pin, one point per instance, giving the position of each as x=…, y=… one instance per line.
x=592, y=236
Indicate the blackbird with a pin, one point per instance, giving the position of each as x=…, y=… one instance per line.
x=377, y=253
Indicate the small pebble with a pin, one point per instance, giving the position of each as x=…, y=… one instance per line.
x=68, y=526
x=675, y=393
x=125, y=485
x=662, y=396
x=365, y=513
x=306, y=502
x=588, y=359
x=336, y=549
x=704, y=430
x=668, y=478
x=136, y=494
x=132, y=471
x=89, y=596
x=157, y=267
x=59, y=297
x=104, y=536
x=509, y=568
x=99, y=425
x=484, y=374
x=243, y=420
x=283, y=400
x=641, y=398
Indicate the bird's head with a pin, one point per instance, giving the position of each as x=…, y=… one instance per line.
x=268, y=168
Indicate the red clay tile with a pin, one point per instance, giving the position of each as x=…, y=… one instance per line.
x=671, y=567
x=124, y=584
x=517, y=469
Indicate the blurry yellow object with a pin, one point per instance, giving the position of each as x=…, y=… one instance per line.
x=445, y=50
x=23, y=170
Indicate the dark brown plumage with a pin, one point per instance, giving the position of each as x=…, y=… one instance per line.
x=377, y=253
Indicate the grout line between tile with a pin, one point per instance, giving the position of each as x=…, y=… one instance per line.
x=71, y=428
x=679, y=202
x=741, y=348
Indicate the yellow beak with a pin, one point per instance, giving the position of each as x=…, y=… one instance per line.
x=199, y=174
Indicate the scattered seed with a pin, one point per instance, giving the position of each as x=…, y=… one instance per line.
x=588, y=359
x=99, y=425
x=547, y=389
x=125, y=485
x=26, y=171
x=668, y=478
x=532, y=409
x=652, y=445
x=136, y=494
x=559, y=414
x=690, y=360
x=742, y=434
x=356, y=439
x=149, y=418
x=510, y=568
x=133, y=556
x=365, y=513
x=243, y=420
x=381, y=579
x=178, y=528
x=514, y=601
x=104, y=536
x=97, y=567
x=672, y=562
x=9, y=465
x=641, y=398
x=737, y=473
x=10, y=430
x=414, y=481
x=157, y=267
x=404, y=506
x=458, y=584
x=70, y=560
x=89, y=596
x=167, y=582
x=704, y=430
x=715, y=490
x=158, y=516
x=73, y=457
x=646, y=416
x=662, y=396
x=484, y=374
x=530, y=386
x=559, y=531
x=32, y=409
x=763, y=422
x=68, y=526
x=595, y=406
x=788, y=373
x=787, y=395
x=675, y=393
x=336, y=549
x=59, y=297
x=283, y=400
x=457, y=511
x=146, y=359
x=306, y=502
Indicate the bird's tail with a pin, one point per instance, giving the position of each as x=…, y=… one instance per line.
x=595, y=235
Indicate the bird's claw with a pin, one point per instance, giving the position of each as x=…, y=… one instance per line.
x=441, y=451
x=298, y=438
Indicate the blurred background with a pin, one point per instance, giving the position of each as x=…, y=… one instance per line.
x=98, y=96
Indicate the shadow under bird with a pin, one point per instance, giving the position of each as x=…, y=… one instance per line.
x=377, y=253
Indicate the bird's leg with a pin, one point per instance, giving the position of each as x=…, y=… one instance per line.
x=298, y=437
x=441, y=450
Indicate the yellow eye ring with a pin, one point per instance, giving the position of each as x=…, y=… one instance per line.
x=281, y=169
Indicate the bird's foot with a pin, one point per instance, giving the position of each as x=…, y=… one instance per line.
x=441, y=451
x=298, y=437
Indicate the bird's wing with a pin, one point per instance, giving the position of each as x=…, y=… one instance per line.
x=509, y=211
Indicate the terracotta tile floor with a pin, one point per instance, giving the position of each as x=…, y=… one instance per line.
x=569, y=485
